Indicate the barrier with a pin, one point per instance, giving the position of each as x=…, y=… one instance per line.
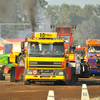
x=51, y=95
x=84, y=94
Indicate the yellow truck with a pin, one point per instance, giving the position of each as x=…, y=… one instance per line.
x=42, y=58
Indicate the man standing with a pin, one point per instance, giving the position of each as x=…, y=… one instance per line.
x=78, y=62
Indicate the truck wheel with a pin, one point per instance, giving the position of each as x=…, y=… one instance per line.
x=87, y=70
x=56, y=83
x=63, y=82
x=1, y=76
x=27, y=82
x=74, y=76
x=12, y=74
x=21, y=61
x=86, y=73
x=3, y=67
x=60, y=82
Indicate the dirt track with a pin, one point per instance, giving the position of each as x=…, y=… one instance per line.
x=39, y=91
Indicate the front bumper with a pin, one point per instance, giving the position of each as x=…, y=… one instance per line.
x=45, y=77
x=95, y=71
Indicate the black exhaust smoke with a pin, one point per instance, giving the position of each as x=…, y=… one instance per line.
x=30, y=7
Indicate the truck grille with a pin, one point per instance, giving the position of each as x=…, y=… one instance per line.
x=44, y=76
x=45, y=66
x=92, y=61
x=46, y=73
x=45, y=63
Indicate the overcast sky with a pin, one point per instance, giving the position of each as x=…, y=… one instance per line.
x=75, y=2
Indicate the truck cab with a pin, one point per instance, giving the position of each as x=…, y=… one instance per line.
x=93, y=55
x=72, y=52
x=44, y=59
x=66, y=35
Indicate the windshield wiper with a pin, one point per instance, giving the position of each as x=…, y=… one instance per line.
x=35, y=55
x=57, y=55
x=39, y=55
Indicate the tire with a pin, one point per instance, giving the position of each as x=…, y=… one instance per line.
x=3, y=67
x=86, y=73
x=12, y=74
x=60, y=82
x=1, y=76
x=21, y=61
x=63, y=82
x=56, y=83
x=26, y=82
x=74, y=76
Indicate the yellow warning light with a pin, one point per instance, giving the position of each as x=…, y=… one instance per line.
x=59, y=37
x=25, y=39
x=31, y=36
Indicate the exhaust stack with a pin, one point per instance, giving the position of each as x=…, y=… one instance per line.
x=33, y=34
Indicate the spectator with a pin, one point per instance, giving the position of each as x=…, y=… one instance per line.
x=78, y=61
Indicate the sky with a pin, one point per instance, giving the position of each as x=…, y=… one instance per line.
x=81, y=3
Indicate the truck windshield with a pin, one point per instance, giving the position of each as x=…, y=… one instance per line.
x=65, y=38
x=46, y=49
x=63, y=30
x=94, y=48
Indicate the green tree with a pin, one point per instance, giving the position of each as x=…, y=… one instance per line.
x=58, y=15
x=42, y=3
x=85, y=31
x=88, y=11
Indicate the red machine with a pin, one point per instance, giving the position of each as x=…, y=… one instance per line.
x=66, y=34
x=72, y=52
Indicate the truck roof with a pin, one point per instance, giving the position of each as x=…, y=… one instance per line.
x=15, y=40
x=93, y=42
x=45, y=40
x=45, y=37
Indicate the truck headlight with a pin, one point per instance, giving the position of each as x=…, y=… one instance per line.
x=61, y=73
x=29, y=72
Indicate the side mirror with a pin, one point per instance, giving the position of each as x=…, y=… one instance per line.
x=69, y=49
x=66, y=56
x=22, y=47
x=73, y=48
